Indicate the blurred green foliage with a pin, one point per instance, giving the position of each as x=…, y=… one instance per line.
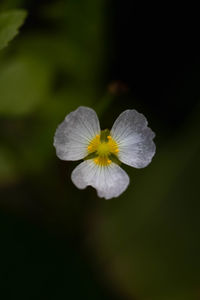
x=24, y=84
x=48, y=74
x=145, y=244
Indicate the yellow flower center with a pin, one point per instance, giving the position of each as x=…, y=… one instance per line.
x=103, y=148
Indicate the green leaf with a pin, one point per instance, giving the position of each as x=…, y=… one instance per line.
x=10, y=23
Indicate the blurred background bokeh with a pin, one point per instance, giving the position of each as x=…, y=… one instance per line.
x=57, y=242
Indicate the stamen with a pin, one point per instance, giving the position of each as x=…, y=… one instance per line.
x=102, y=161
x=104, y=146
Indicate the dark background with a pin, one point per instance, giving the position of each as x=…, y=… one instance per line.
x=58, y=242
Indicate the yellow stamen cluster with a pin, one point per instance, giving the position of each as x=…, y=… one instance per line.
x=103, y=149
x=102, y=161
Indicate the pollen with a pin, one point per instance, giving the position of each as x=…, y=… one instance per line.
x=103, y=148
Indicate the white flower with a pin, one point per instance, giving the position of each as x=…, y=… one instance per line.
x=129, y=141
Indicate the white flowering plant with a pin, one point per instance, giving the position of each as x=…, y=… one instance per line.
x=130, y=141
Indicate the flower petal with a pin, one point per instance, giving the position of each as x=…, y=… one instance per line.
x=134, y=138
x=75, y=132
x=109, y=181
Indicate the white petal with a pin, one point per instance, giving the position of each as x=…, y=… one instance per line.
x=109, y=181
x=135, y=139
x=75, y=132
